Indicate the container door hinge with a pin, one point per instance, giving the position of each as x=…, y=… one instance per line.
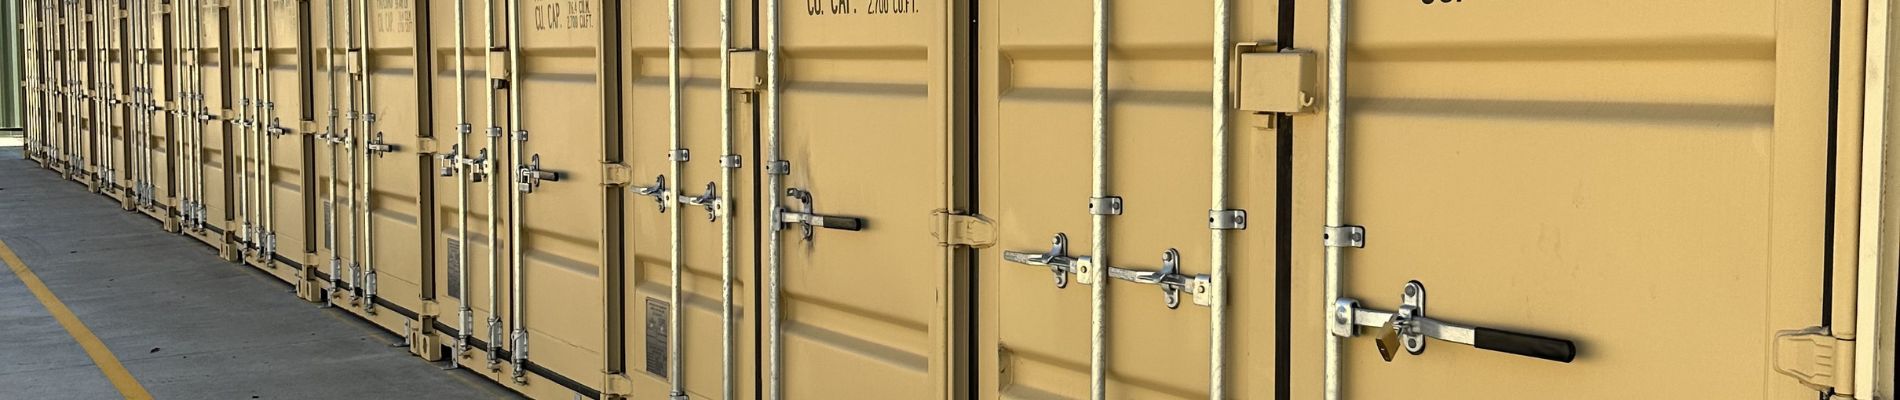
x=618, y=385
x=616, y=174
x=1815, y=358
x=963, y=229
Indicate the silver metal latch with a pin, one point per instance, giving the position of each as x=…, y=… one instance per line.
x=530, y=176
x=477, y=167
x=451, y=160
x=1171, y=280
x=1409, y=327
x=807, y=219
x=658, y=192
x=377, y=147
x=709, y=200
x=1345, y=236
x=1057, y=259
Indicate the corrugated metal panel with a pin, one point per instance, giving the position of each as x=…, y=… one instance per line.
x=1603, y=174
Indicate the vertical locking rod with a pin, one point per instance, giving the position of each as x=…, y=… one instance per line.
x=465, y=314
x=673, y=347
x=1217, y=358
x=496, y=81
x=1335, y=177
x=774, y=335
x=368, y=174
x=335, y=137
x=239, y=146
x=727, y=366
x=270, y=130
x=515, y=207
x=1098, y=221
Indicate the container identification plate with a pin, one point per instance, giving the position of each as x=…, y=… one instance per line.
x=656, y=337
x=455, y=268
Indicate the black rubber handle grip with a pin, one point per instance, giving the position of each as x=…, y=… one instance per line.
x=843, y=223
x=1534, y=346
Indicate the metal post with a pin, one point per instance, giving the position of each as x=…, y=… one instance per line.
x=335, y=136
x=1098, y=221
x=1335, y=176
x=464, y=314
x=676, y=159
x=240, y=136
x=774, y=330
x=495, y=131
x=368, y=176
x=355, y=145
x=269, y=126
x=514, y=207
x=1217, y=360
x=728, y=367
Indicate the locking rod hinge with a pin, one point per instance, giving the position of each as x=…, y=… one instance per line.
x=963, y=229
x=1345, y=236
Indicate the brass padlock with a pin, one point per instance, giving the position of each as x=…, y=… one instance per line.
x=1388, y=342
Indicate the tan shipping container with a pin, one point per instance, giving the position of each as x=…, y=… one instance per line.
x=902, y=199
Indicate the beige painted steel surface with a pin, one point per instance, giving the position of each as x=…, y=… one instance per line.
x=218, y=69
x=397, y=62
x=833, y=219
x=157, y=92
x=646, y=119
x=461, y=261
x=285, y=152
x=554, y=115
x=1615, y=187
x=869, y=118
x=1034, y=118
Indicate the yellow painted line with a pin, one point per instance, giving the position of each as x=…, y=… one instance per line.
x=101, y=356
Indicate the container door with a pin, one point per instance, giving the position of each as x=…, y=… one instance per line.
x=398, y=168
x=1035, y=61
x=556, y=134
x=331, y=82
x=708, y=178
x=285, y=153
x=202, y=99
x=160, y=93
x=220, y=154
x=870, y=136
x=118, y=70
x=1654, y=194
x=463, y=258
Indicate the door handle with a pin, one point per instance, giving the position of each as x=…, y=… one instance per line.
x=657, y=192
x=1408, y=328
x=1169, y=277
x=531, y=175
x=807, y=219
x=1057, y=259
